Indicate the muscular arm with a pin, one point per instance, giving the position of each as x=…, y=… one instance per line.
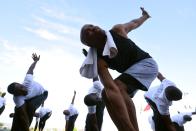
x=36, y=59
x=104, y=74
x=124, y=29
x=168, y=123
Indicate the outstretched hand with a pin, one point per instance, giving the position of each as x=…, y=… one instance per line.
x=84, y=52
x=144, y=12
x=35, y=57
x=74, y=92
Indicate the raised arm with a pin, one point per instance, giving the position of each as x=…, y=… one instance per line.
x=160, y=76
x=35, y=59
x=125, y=28
x=73, y=99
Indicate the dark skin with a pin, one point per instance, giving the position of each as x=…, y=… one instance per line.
x=66, y=112
x=21, y=113
x=115, y=93
x=92, y=117
x=166, y=118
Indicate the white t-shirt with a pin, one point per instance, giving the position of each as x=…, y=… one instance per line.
x=96, y=88
x=157, y=95
x=43, y=111
x=179, y=118
x=2, y=101
x=72, y=110
x=33, y=89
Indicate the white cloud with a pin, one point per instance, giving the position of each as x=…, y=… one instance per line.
x=57, y=27
x=43, y=33
x=61, y=15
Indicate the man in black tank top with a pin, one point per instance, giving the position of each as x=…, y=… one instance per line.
x=137, y=70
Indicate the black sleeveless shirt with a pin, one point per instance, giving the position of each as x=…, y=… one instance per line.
x=128, y=53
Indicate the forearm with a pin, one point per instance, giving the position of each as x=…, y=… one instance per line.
x=139, y=21
x=160, y=76
x=105, y=77
x=31, y=68
x=73, y=99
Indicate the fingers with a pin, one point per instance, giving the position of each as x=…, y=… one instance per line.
x=142, y=8
x=35, y=57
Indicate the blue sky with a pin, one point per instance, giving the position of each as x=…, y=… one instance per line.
x=51, y=28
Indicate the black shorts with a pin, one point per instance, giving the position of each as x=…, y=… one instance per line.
x=133, y=85
x=45, y=117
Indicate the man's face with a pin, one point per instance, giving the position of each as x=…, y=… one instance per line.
x=20, y=90
x=90, y=35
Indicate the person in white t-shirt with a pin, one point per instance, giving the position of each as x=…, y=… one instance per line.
x=95, y=105
x=93, y=100
x=41, y=116
x=180, y=119
x=2, y=103
x=160, y=98
x=27, y=97
x=71, y=115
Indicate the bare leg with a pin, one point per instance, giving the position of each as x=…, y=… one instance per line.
x=129, y=103
x=115, y=102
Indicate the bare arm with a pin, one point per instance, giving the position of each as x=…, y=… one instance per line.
x=160, y=76
x=104, y=74
x=125, y=28
x=36, y=59
x=73, y=99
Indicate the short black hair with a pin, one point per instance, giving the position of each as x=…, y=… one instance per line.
x=173, y=93
x=91, y=99
x=11, y=88
x=82, y=35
